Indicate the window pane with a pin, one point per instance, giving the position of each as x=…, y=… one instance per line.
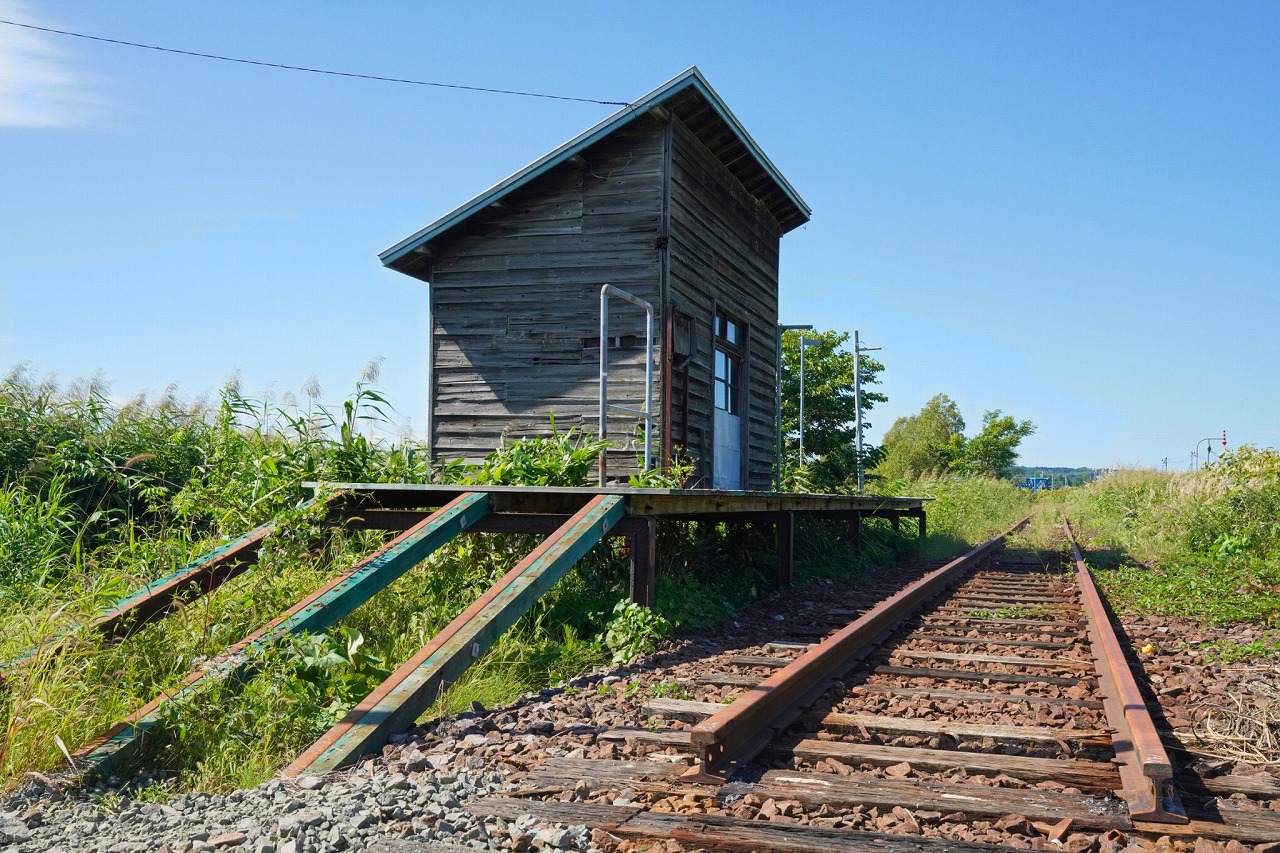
x=731, y=331
x=722, y=365
x=721, y=395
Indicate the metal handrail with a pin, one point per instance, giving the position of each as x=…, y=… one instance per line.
x=645, y=414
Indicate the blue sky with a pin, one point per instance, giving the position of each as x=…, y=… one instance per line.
x=1068, y=211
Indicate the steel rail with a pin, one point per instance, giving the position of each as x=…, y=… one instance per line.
x=324, y=607
x=1145, y=770
x=734, y=736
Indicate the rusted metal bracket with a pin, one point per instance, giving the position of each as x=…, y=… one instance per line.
x=398, y=702
x=322, y=608
x=1145, y=770
x=734, y=736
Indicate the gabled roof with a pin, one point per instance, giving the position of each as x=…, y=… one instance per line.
x=690, y=97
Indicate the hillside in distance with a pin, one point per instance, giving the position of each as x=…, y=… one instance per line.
x=1058, y=477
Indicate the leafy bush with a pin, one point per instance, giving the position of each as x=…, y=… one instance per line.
x=634, y=630
x=562, y=459
x=1203, y=544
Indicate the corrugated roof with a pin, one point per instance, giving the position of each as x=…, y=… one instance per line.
x=688, y=96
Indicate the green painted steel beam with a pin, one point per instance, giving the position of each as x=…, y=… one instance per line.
x=398, y=702
x=321, y=609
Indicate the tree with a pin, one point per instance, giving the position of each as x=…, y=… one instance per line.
x=933, y=442
x=993, y=451
x=830, y=410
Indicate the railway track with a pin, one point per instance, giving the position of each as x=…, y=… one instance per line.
x=988, y=701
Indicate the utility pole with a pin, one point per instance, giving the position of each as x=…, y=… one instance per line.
x=1208, y=442
x=805, y=343
x=777, y=401
x=858, y=350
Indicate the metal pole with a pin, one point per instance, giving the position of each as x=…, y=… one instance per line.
x=802, y=349
x=858, y=350
x=1208, y=454
x=648, y=387
x=431, y=385
x=777, y=401
x=857, y=401
x=645, y=414
x=604, y=374
x=777, y=416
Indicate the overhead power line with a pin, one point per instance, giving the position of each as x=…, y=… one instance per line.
x=314, y=70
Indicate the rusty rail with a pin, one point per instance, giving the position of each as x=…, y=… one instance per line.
x=1145, y=770
x=742, y=730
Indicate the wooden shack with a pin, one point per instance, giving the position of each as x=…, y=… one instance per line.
x=668, y=199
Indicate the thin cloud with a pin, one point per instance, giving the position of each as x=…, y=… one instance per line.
x=39, y=85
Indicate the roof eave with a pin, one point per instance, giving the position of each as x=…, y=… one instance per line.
x=691, y=77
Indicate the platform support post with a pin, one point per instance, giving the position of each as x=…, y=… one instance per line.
x=786, y=533
x=855, y=531
x=895, y=518
x=644, y=559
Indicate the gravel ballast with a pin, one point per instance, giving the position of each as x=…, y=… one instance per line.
x=309, y=815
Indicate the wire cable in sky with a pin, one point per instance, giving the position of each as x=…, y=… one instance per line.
x=315, y=70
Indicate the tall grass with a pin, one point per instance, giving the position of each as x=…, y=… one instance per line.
x=1204, y=544
x=963, y=511
x=97, y=499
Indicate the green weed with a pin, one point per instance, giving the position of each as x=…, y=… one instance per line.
x=634, y=630
x=1202, y=544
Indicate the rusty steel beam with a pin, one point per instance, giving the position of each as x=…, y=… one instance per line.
x=641, y=530
x=734, y=736
x=398, y=702
x=1145, y=769
x=324, y=607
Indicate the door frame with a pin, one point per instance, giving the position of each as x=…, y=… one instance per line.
x=743, y=355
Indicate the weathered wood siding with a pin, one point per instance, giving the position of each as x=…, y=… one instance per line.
x=724, y=256
x=515, y=296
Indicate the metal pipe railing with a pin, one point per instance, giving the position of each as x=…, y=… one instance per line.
x=645, y=414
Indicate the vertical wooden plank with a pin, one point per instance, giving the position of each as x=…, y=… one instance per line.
x=786, y=536
x=644, y=560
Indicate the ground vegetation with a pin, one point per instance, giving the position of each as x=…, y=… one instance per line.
x=1203, y=544
x=97, y=498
